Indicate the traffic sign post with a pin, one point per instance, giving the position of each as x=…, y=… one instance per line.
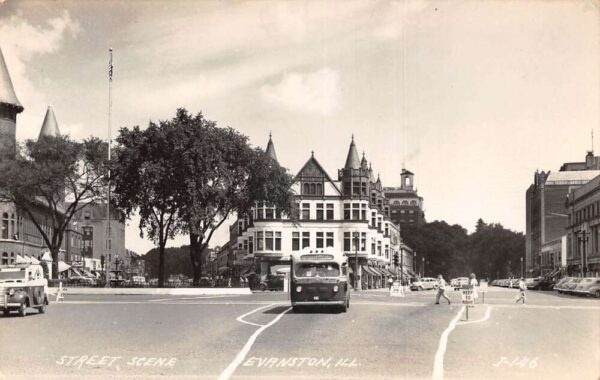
x=397, y=290
x=483, y=286
x=467, y=297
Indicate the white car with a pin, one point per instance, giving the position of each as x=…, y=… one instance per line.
x=424, y=284
x=460, y=282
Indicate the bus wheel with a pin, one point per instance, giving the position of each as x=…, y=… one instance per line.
x=345, y=308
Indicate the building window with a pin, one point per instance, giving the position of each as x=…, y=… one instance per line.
x=250, y=245
x=319, y=211
x=5, y=226
x=363, y=211
x=319, y=240
x=363, y=241
x=329, y=211
x=260, y=210
x=355, y=188
x=305, y=239
x=295, y=241
x=378, y=248
x=379, y=219
x=305, y=211
x=329, y=242
x=373, y=218
x=355, y=211
x=260, y=241
x=347, y=242
x=347, y=215
x=269, y=213
x=86, y=215
x=269, y=240
x=278, y=240
x=363, y=188
x=387, y=229
x=312, y=188
x=387, y=251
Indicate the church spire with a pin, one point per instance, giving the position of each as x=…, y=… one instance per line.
x=271, y=149
x=49, y=126
x=7, y=91
x=352, y=161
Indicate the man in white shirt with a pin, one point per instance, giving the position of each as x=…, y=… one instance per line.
x=441, y=292
x=522, y=289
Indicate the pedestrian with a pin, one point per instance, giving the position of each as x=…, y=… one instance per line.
x=441, y=291
x=473, y=282
x=522, y=289
x=390, y=283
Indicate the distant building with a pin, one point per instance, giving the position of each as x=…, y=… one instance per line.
x=583, y=230
x=546, y=212
x=93, y=224
x=406, y=206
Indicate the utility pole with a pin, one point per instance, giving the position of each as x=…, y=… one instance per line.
x=109, y=232
x=356, y=240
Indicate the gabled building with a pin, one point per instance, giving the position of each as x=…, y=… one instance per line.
x=350, y=213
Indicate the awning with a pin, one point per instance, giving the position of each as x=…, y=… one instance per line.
x=21, y=260
x=370, y=271
x=411, y=273
x=553, y=273
x=379, y=271
x=32, y=260
x=62, y=266
x=88, y=273
x=47, y=256
x=389, y=272
x=77, y=272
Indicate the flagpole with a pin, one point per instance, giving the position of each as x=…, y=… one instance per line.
x=109, y=232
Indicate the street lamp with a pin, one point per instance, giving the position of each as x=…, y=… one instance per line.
x=401, y=266
x=356, y=240
x=423, y=266
x=583, y=239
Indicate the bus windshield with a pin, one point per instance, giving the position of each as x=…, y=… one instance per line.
x=317, y=270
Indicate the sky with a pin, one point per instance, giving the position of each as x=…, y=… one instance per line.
x=471, y=96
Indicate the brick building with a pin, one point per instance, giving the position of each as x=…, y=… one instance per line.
x=546, y=212
x=406, y=206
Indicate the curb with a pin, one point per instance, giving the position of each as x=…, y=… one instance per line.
x=155, y=291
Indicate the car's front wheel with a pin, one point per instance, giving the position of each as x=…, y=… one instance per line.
x=420, y=288
x=597, y=293
x=23, y=310
x=262, y=287
x=41, y=309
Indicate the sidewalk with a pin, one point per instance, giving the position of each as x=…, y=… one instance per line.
x=154, y=291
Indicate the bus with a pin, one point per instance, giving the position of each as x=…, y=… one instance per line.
x=319, y=278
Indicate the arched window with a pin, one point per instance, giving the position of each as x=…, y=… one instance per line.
x=319, y=189
x=12, y=226
x=5, y=258
x=313, y=188
x=5, y=225
x=404, y=203
x=413, y=203
x=306, y=188
x=396, y=202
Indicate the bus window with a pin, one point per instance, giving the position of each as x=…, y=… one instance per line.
x=318, y=270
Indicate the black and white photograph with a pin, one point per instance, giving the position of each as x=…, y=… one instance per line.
x=309, y=189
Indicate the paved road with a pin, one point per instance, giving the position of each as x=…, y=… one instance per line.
x=259, y=337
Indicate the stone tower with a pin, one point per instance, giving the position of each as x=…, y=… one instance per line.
x=9, y=108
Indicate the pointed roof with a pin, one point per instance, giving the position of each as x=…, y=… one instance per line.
x=352, y=161
x=312, y=168
x=7, y=91
x=363, y=163
x=271, y=149
x=371, y=175
x=50, y=126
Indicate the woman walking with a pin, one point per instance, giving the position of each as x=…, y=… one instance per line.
x=473, y=282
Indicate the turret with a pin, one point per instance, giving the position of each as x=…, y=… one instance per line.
x=354, y=175
x=9, y=108
x=49, y=126
x=271, y=149
x=406, y=178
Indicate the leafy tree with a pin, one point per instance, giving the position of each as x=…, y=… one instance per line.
x=221, y=175
x=146, y=178
x=54, y=176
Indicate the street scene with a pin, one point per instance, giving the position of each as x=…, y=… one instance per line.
x=400, y=189
x=380, y=337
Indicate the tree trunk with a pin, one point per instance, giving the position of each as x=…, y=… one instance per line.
x=54, y=254
x=196, y=256
x=161, y=265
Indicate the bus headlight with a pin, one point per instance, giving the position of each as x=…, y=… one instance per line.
x=298, y=289
x=335, y=288
x=11, y=292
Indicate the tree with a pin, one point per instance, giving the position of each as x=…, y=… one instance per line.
x=221, y=175
x=55, y=177
x=146, y=180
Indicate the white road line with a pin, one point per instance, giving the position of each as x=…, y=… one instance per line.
x=241, y=317
x=228, y=372
x=485, y=317
x=438, y=362
x=190, y=298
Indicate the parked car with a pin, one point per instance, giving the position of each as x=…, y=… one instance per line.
x=589, y=286
x=460, y=282
x=546, y=284
x=424, y=284
x=561, y=283
x=272, y=282
x=22, y=286
x=206, y=282
x=533, y=283
x=569, y=287
x=139, y=281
